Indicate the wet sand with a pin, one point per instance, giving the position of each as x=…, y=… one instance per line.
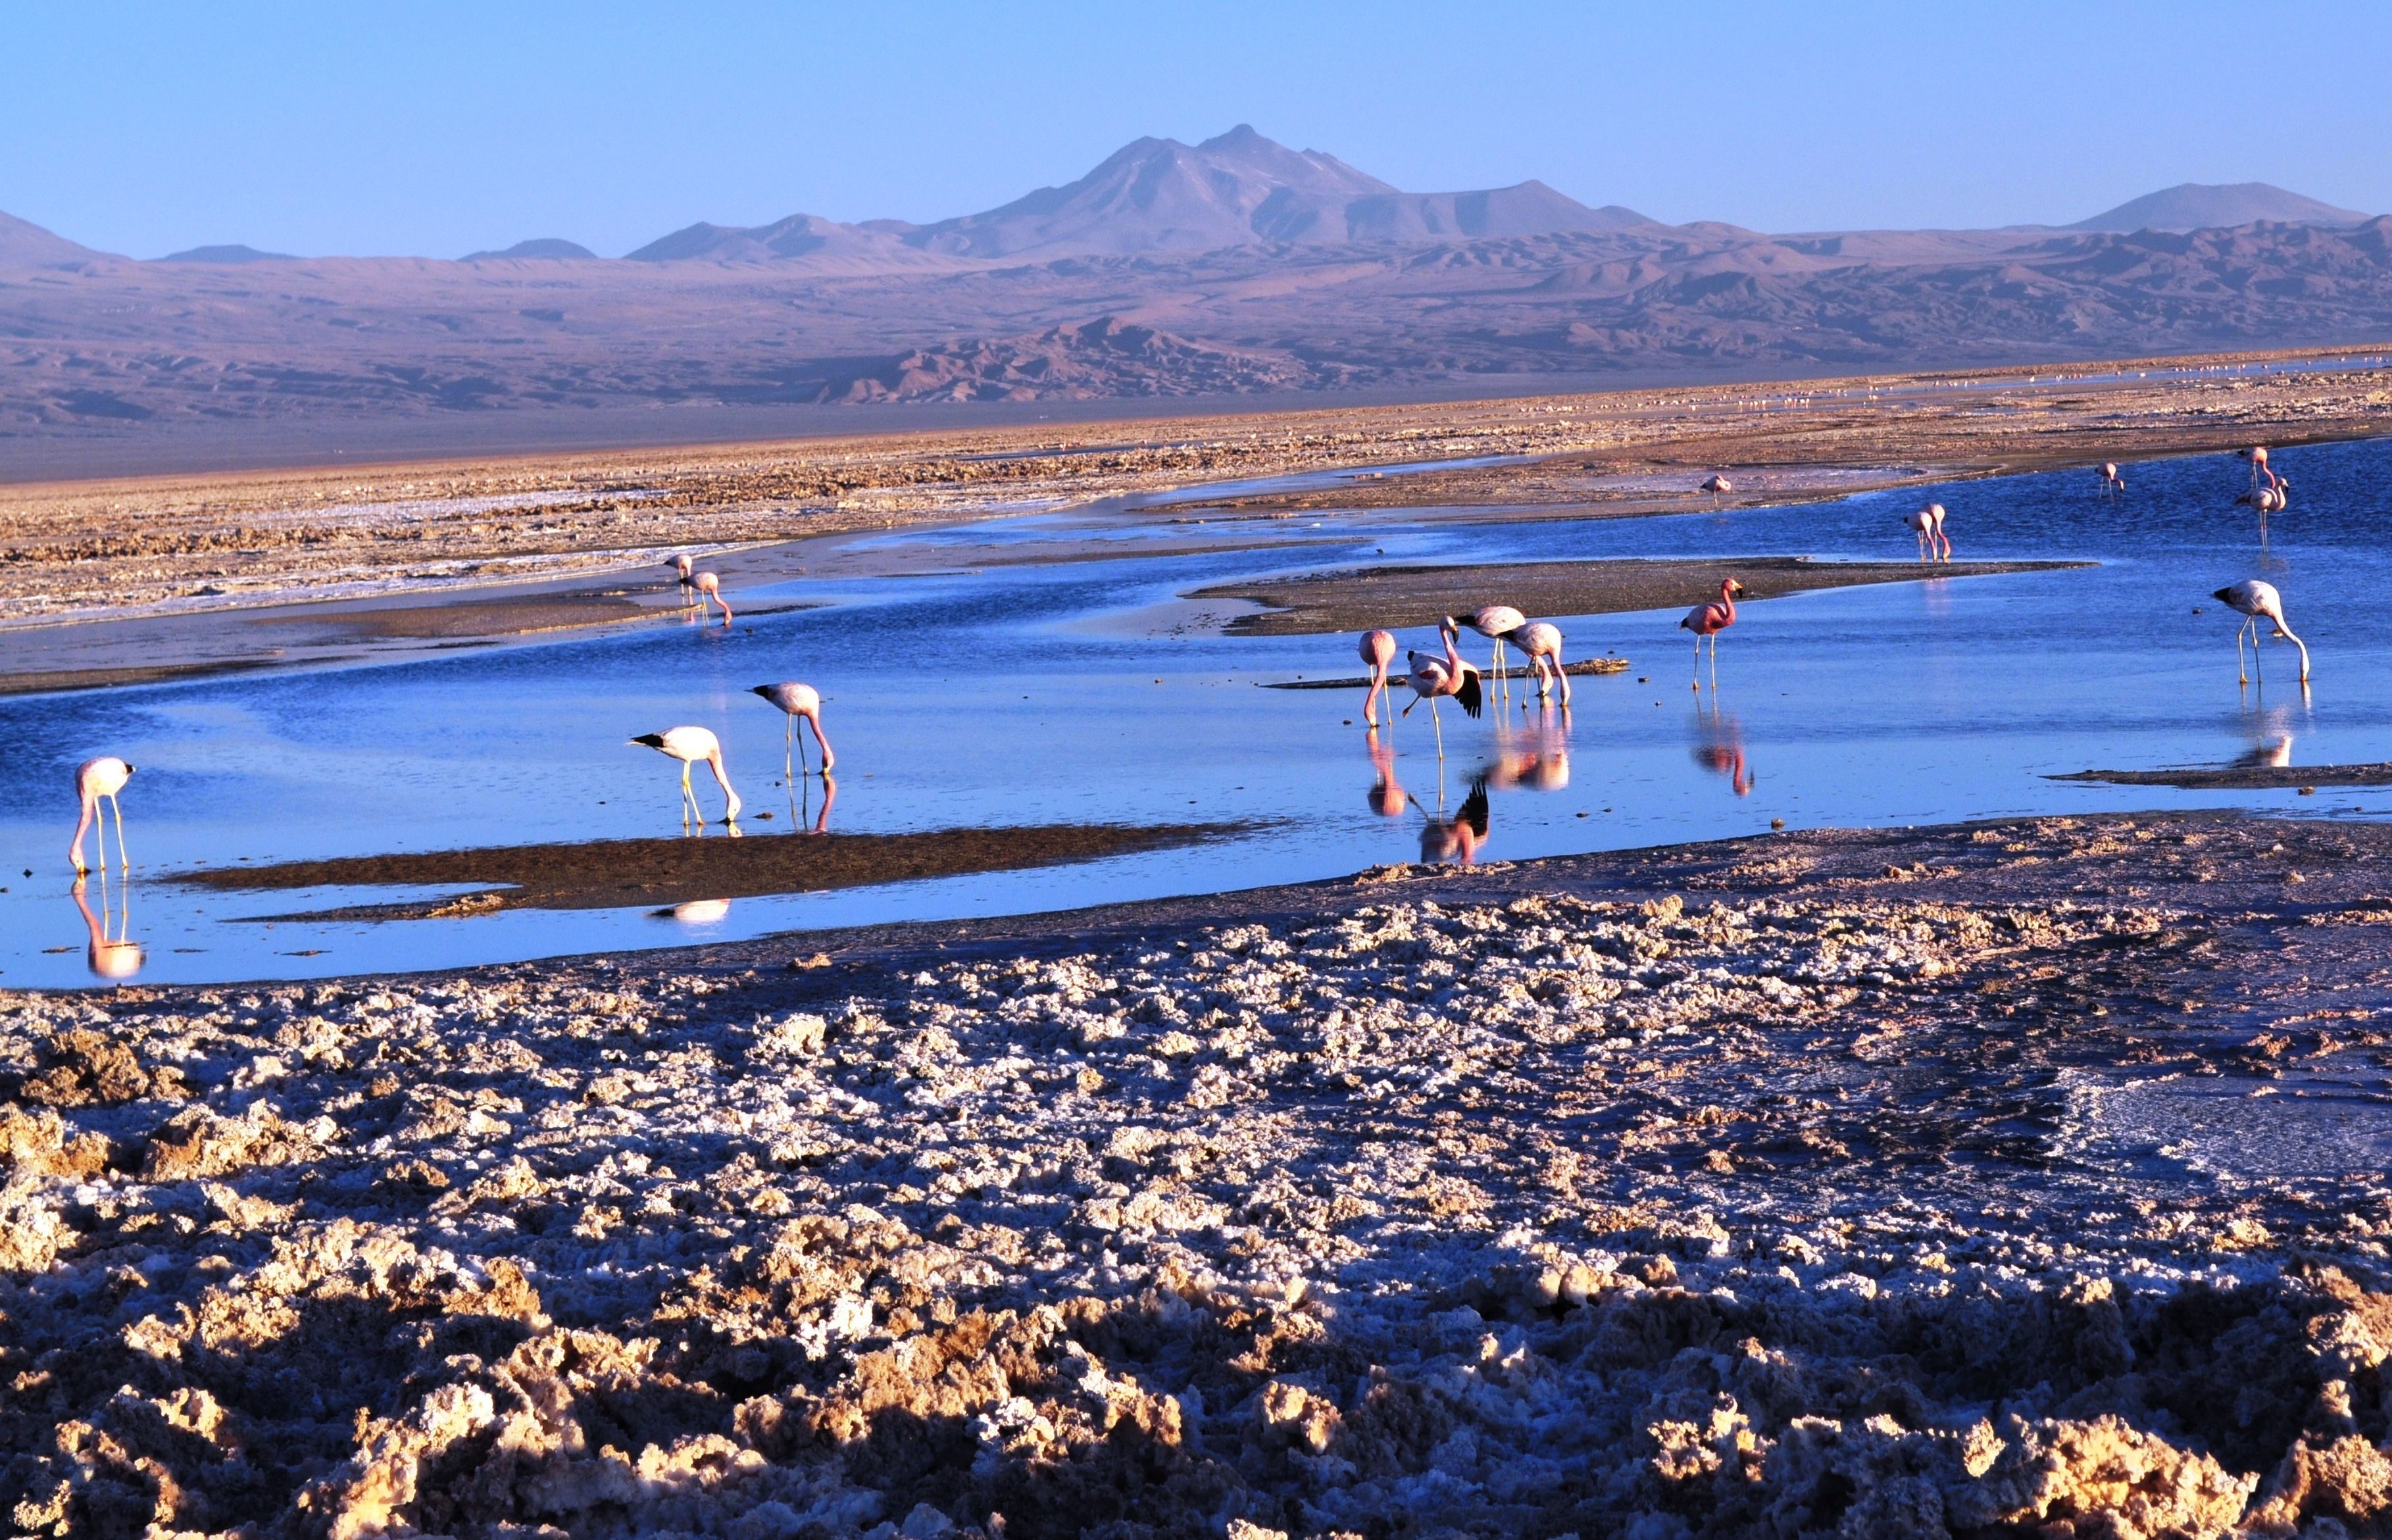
x=1421, y=595
x=2242, y=777
x=616, y=874
x=70, y=551
x=1785, y=1184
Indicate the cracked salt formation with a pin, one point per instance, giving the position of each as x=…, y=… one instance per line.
x=1537, y=1214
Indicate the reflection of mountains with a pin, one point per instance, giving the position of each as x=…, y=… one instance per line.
x=1233, y=266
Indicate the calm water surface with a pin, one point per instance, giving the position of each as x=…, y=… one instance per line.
x=1082, y=691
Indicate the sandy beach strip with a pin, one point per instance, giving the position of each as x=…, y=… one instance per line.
x=1780, y=1184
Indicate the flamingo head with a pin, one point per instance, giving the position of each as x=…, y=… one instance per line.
x=1731, y=588
x=763, y=690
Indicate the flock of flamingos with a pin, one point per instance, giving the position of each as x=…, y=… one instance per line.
x=1432, y=677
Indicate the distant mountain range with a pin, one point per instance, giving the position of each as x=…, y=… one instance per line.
x=1233, y=266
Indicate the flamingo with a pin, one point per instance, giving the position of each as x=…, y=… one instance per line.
x=797, y=700
x=1541, y=641
x=1433, y=677
x=2257, y=455
x=1709, y=620
x=690, y=744
x=1717, y=485
x=1927, y=523
x=2268, y=497
x=1495, y=622
x=2255, y=601
x=95, y=779
x=681, y=565
x=2111, y=482
x=1379, y=655
x=708, y=586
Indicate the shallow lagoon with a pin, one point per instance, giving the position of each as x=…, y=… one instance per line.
x=1045, y=693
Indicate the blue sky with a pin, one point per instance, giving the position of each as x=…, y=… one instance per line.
x=433, y=129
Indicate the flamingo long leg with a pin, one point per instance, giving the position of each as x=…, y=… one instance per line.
x=121, y=859
x=1439, y=725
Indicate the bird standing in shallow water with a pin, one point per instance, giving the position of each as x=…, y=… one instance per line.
x=2111, y=482
x=681, y=567
x=708, y=586
x=95, y=779
x=1541, y=641
x=1379, y=655
x=797, y=700
x=1433, y=677
x=1495, y=622
x=691, y=744
x=2255, y=601
x=1709, y=620
x=1927, y=523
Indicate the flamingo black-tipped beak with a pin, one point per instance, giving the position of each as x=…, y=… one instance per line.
x=2221, y=595
x=650, y=740
x=763, y=690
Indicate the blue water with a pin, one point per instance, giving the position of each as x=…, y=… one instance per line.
x=1030, y=694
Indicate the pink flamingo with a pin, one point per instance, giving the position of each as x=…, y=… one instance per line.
x=2257, y=455
x=2255, y=601
x=95, y=779
x=1709, y=620
x=1927, y=523
x=797, y=700
x=681, y=567
x=706, y=585
x=1433, y=677
x=2111, y=482
x=1379, y=655
x=1717, y=485
x=2269, y=496
x=1541, y=640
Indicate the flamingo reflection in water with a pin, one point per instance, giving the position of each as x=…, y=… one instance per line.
x=1719, y=746
x=1460, y=838
x=1387, y=796
x=698, y=912
x=1536, y=760
x=111, y=953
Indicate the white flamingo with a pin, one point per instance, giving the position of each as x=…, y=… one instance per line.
x=1541, y=641
x=797, y=700
x=1928, y=525
x=708, y=586
x=2255, y=601
x=1495, y=622
x=95, y=779
x=2111, y=482
x=691, y=744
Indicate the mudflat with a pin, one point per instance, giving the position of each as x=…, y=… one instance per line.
x=613, y=873
x=1688, y=1190
x=2241, y=777
x=1420, y=595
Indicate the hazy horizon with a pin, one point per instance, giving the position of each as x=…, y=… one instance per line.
x=435, y=131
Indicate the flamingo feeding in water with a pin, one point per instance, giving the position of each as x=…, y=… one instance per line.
x=1379, y=656
x=1434, y=676
x=2111, y=482
x=1495, y=622
x=2255, y=601
x=95, y=779
x=2257, y=455
x=1541, y=641
x=797, y=700
x=681, y=567
x=706, y=585
x=1709, y=620
x=1928, y=525
x=691, y=744
x=2269, y=496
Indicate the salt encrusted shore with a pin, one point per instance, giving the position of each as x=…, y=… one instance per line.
x=1755, y=1188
